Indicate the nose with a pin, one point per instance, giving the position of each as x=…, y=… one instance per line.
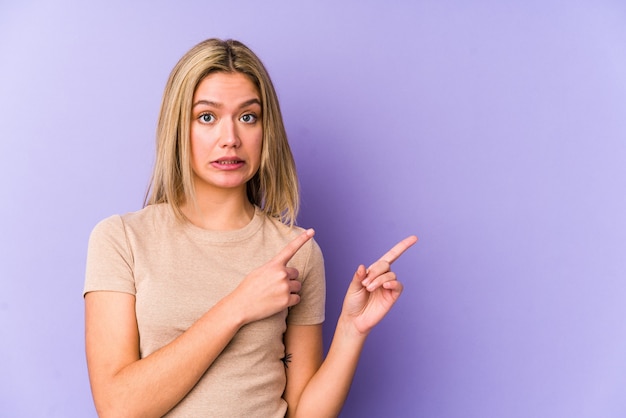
x=229, y=137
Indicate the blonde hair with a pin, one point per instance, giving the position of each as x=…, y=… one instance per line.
x=274, y=188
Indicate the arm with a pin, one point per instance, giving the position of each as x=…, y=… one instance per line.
x=124, y=385
x=370, y=296
x=315, y=388
x=303, y=346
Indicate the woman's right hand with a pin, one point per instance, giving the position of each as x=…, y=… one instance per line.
x=272, y=287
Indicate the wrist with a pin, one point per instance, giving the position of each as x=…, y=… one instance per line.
x=232, y=312
x=348, y=328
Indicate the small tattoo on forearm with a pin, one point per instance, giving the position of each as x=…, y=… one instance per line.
x=286, y=360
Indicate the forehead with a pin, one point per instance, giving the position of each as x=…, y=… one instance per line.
x=220, y=86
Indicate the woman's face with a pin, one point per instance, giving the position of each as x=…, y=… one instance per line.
x=226, y=133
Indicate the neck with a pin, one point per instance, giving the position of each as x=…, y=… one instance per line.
x=224, y=212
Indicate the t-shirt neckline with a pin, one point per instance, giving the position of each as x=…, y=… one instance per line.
x=234, y=235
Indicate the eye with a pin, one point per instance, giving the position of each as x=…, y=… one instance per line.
x=206, y=118
x=248, y=118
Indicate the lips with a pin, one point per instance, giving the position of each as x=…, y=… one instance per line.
x=228, y=163
x=228, y=160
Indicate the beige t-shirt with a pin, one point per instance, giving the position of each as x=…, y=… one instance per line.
x=178, y=271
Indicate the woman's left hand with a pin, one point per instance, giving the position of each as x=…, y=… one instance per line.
x=373, y=292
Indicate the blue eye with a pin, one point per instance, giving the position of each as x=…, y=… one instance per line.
x=248, y=118
x=206, y=118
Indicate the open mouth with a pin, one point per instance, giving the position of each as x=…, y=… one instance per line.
x=228, y=162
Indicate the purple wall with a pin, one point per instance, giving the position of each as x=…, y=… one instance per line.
x=496, y=132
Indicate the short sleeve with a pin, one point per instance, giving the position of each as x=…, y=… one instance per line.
x=109, y=258
x=311, y=309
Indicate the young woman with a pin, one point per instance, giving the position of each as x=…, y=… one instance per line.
x=209, y=302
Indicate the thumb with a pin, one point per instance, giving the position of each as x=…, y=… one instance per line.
x=357, y=279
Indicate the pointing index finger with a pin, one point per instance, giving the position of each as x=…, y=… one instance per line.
x=394, y=253
x=292, y=248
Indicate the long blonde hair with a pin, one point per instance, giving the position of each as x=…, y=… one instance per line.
x=274, y=188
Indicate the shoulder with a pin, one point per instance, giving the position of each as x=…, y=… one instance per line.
x=143, y=218
x=284, y=234
x=107, y=228
x=153, y=214
x=127, y=229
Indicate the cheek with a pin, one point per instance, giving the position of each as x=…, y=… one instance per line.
x=258, y=149
x=196, y=151
x=259, y=141
x=259, y=144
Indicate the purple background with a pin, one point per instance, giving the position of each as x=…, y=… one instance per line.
x=494, y=130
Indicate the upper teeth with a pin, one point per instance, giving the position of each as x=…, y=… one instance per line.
x=228, y=162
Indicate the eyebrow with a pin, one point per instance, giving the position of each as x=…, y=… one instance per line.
x=219, y=105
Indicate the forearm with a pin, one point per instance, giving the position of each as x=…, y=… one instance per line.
x=327, y=390
x=153, y=385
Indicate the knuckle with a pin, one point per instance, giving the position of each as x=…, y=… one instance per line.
x=295, y=286
x=381, y=266
x=283, y=300
x=283, y=288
